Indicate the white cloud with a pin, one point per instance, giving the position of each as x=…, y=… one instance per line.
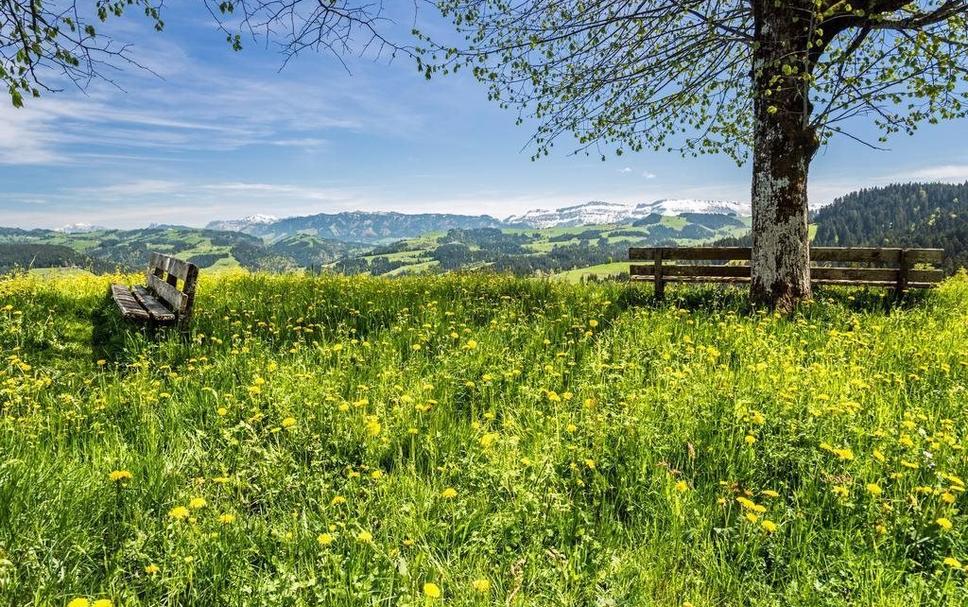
x=648, y=175
x=625, y=170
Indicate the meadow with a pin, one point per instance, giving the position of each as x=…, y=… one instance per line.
x=482, y=440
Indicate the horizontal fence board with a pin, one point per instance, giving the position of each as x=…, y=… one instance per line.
x=671, y=270
x=889, y=256
x=689, y=253
x=175, y=298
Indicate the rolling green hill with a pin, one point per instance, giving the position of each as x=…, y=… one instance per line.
x=526, y=251
x=105, y=250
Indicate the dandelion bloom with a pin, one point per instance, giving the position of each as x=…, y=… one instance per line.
x=376, y=475
x=121, y=475
x=593, y=323
x=488, y=440
x=944, y=523
x=750, y=439
x=874, y=489
x=768, y=525
x=373, y=427
x=226, y=519
x=471, y=344
x=336, y=501
x=364, y=536
x=289, y=422
x=102, y=603
x=448, y=493
x=432, y=590
x=952, y=562
x=152, y=569
x=481, y=585
x=197, y=502
x=682, y=486
x=178, y=513
x=79, y=602
x=325, y=539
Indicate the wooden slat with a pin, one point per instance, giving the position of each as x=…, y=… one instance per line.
x=711, y=271
x=175, y=299
x=890, y=256
x=169, y=265
x=875, y=274
x=821, y=254
x=159, y=313
x=129, y=306
x=746, y=279
x=689, y=253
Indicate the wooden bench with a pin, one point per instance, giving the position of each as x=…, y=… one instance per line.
x=894, y=268
x=161, y=302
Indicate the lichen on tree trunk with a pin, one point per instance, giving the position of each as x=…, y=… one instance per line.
x=783, y=145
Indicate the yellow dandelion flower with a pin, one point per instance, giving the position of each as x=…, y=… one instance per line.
x=471, y=344
x=79, y=602
x=373, y=427
x=750, y=439
x=952, y=562
x=152, y=569
x=432, y=590
x=489, y=439
x=376, y=475
x=944, y=523
x=336, y=501
x=947, y=497
x=289, y=422
x=682, y=486
x=448, y=493
x=910, y=465
x=571, y=428
x=197, y=503
x=874, y=489
x=102, y=603
x=222, y=411
x=841, y=491
x=481, y=585
x=227, y=518
x=178, y=513
x=590, y=463
x=768, y=525
x=325, y=539
x=769, y=493
x=364, y=536
x=120, y=475
x=752, y=517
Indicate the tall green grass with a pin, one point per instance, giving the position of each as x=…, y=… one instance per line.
x=356, y=441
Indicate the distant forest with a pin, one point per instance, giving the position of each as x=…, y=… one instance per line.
x=903, y=215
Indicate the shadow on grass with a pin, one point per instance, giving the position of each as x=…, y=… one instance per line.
x=719, y=298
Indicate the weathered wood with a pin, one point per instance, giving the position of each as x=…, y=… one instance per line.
x=169, y=265
x=657, y=273
x=175, y=299
x=819, y=254
x=159, y=313
x=129, y=306
x=689, y=253
x=899, y=274
x=887, y=256
x=677, y=270
x=191, y=281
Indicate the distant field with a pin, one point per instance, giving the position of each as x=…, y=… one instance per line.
x=348, y=441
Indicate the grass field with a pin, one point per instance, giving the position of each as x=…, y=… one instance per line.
x=482, y=440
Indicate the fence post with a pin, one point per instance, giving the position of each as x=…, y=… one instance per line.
x=659, y=282
x=904, y=265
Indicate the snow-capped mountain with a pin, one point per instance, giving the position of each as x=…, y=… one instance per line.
x=241, y=225
x=79, y=228
x=678, y=206
x=597, y=212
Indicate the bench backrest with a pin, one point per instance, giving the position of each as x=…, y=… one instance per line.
x=173, y=281
x=889, y=267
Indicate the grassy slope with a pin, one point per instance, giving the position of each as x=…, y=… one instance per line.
x=596, y=449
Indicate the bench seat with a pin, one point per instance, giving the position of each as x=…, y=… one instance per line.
x=137, y=303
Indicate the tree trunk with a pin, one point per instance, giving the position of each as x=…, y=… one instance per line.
x=783, y=145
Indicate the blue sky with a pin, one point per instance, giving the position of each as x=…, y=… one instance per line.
x=218, y=134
